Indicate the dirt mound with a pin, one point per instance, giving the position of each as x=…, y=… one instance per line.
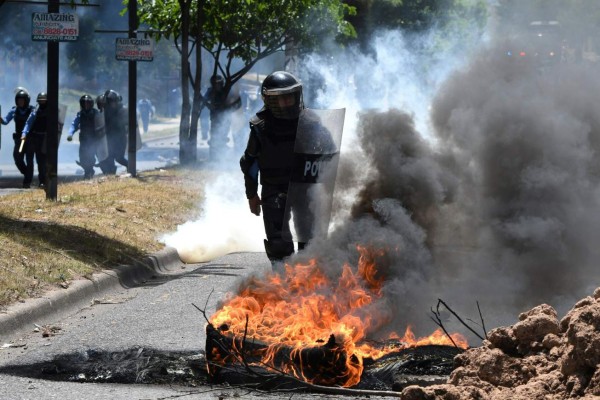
x=539, y=357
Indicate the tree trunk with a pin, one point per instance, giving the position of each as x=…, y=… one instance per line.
x=197, y=101
x=187, y=153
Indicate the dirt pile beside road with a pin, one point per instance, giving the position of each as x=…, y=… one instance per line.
x=539, y=357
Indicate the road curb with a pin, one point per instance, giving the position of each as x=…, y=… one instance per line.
x=47, y=309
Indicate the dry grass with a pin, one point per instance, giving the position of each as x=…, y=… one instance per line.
x=94, y=225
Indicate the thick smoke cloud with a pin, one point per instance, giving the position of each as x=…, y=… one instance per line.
x=471, y=175
x=525, y=145
x=490, y=196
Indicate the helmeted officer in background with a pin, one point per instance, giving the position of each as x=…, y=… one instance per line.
x=146, y=111
x=269, y=153
x=220, y=104
x=35, y=136
x=117, y=127
x=100, y=101
x=92, y=137
x=20, y=112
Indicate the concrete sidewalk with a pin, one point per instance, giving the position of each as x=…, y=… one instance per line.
x=22, y=317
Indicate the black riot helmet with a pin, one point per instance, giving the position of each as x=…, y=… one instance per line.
x=112, y=98
x=42, y=99
x=86, y=102
x=22, y=94
x=217, y=81
x=282, y=94
x=100, y=102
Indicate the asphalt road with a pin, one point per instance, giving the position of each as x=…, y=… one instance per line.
x=129, y=327
x=155, y=318
x=137, y=333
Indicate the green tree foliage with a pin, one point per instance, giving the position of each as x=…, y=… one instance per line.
x=414, y=15
x=246, y=30
x=461, y=20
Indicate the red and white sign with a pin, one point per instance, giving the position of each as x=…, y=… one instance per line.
x=133, y=49
x=54, y=27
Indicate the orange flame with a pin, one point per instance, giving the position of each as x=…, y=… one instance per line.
x=305, y=311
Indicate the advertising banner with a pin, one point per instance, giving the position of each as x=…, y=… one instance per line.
x=47, y=27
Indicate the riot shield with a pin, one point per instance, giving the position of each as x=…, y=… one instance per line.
x=100, y=135
x=138, y=138
x=62, y=113
x=99, y=124
x=314, y=170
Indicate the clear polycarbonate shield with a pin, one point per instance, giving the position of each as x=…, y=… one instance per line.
x=99, y=124
x=62, y=113
x=314, y=170
x=100, y=134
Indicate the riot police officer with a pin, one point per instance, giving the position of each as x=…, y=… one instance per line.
x=20, y=112
x=35, y=136
x=221, y=103
x=269, y=153
x=92, y=137
x=117, y=128
x=146, y=111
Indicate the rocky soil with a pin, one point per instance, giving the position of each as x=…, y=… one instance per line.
x=539, y=357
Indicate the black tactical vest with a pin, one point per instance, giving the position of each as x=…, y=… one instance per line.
x=277, y=138
x=41, y=121
x=21, y=118
x=87, y=123
x=117, y=121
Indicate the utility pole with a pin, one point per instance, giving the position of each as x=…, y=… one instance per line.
x=131, y=159
x=52, y=131
x=52, y=128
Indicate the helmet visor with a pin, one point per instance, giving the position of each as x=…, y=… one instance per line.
x=281, y=91
x=284, y=103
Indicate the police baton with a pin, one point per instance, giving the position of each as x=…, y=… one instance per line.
x=22, y=144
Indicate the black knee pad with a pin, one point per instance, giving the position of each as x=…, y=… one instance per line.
x=278, y=249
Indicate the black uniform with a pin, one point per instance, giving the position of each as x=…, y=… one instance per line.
x=117, y=128
x=220, y=105
x=145, y=110
x=270, y=151
x=36, y=142
x=92, y=139
x=23, y=159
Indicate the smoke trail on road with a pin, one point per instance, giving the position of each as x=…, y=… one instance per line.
x=226, y=224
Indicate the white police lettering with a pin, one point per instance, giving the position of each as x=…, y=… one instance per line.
x=312, y=167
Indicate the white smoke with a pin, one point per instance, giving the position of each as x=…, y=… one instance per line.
x=226, y=224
